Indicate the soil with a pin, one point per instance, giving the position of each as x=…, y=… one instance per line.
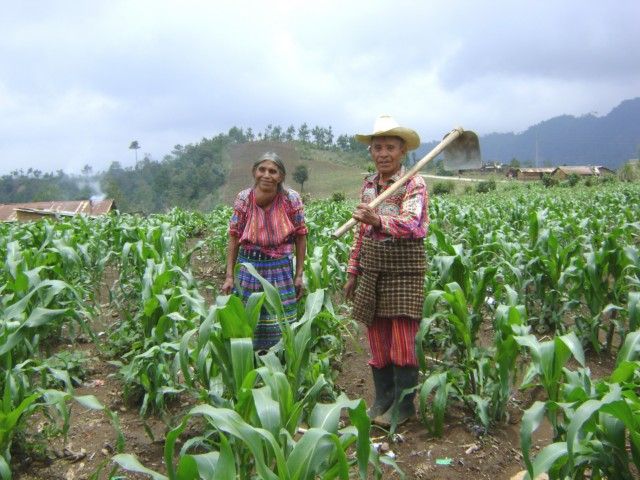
x=91, y=439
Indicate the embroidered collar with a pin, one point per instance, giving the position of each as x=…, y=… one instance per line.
x=373, y=178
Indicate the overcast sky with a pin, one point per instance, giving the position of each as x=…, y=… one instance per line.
x=80, y=80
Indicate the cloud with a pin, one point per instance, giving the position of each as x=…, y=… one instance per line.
x=79, y=82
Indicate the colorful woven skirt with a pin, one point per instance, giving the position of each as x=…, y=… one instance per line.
x=279, y=272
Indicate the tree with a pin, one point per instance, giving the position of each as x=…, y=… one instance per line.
x=514, y=163
x=328, y=137
x=290, y=133
x=301, y=175
x=276, y=133
x=237, y=135
x=135, y=146
x=343, y=143
x=87, y=170
x=318, y=136
x=303, y=133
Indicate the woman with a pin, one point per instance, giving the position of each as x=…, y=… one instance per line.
x=266, y=229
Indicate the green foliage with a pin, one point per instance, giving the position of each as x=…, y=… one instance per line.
x=549, y=181
x=573, y=179
x=338, y=197
x=595, y=424
x=186, y=178
x=35, y=186
x=301, y=175
x=486, y=186
x=440, y=188
x=629, y=172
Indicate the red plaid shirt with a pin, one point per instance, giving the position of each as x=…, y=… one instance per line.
x=403, y=215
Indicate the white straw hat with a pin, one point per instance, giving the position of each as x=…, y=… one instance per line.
x=387, y=126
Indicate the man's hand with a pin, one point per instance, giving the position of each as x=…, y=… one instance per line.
x=350, y=286
x=365, y=214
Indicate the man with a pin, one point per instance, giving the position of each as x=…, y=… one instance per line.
x=386, y=269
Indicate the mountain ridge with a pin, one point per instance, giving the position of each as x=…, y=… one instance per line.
x=608, y=140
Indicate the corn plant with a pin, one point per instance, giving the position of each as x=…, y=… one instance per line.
x=480, y=377
x=548, y=360
x=600, y=423
x=319, y=451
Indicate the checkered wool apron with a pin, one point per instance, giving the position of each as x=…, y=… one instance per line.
x=392, y=280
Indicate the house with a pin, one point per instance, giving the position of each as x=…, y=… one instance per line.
x=528, y=174
x=563, y=172
x=26, y=212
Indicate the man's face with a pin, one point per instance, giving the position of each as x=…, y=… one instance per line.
x=387, y=153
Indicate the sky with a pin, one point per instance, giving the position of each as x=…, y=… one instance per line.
x=79, y=81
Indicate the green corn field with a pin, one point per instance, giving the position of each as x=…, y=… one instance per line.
x=524, y=287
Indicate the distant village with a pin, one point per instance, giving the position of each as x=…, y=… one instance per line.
x=537, y=173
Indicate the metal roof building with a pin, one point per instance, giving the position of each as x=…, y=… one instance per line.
x=24, y=212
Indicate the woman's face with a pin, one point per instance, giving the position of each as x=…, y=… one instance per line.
x=267, y=176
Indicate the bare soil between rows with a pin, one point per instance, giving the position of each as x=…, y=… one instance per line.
x=91, y=440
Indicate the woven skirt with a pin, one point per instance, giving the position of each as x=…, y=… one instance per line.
x=279, y=272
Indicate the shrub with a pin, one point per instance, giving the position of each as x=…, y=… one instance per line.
x=549, y=181
x=440, y=188
x=572, y=180
x=629, y=172
x=338, y=197
x=606, y=179
x=486, y=186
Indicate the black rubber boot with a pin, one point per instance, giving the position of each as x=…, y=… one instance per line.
x=405, y=378
x=383, y=383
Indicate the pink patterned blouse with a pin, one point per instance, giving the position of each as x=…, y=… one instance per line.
x=403, y=215
x=271, y=231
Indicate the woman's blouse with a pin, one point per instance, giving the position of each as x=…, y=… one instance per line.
x=270, y=230
x=403, y=215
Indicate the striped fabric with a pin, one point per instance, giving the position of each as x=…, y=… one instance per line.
x=392, y=342
x=279, y=272
x=271, y=231
x=391, y=283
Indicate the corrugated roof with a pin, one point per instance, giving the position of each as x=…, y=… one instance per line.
x=582, y=170
x=537, y=170
x=90, y=208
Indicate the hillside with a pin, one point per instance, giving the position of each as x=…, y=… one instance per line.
x=328, y=172
x=608, y=140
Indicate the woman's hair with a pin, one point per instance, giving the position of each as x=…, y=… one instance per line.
x=273, y=157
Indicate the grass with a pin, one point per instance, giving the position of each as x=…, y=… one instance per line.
x=329, y=172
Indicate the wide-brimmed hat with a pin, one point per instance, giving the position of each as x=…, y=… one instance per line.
x=387, y=126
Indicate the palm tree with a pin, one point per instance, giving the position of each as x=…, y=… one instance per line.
x=135, y=146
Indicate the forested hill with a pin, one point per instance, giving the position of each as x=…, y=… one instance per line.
x=204, y=174
x=608, y=140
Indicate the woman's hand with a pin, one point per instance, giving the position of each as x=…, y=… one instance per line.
x=227, y=286
x=350, y=286
x=299, y=284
